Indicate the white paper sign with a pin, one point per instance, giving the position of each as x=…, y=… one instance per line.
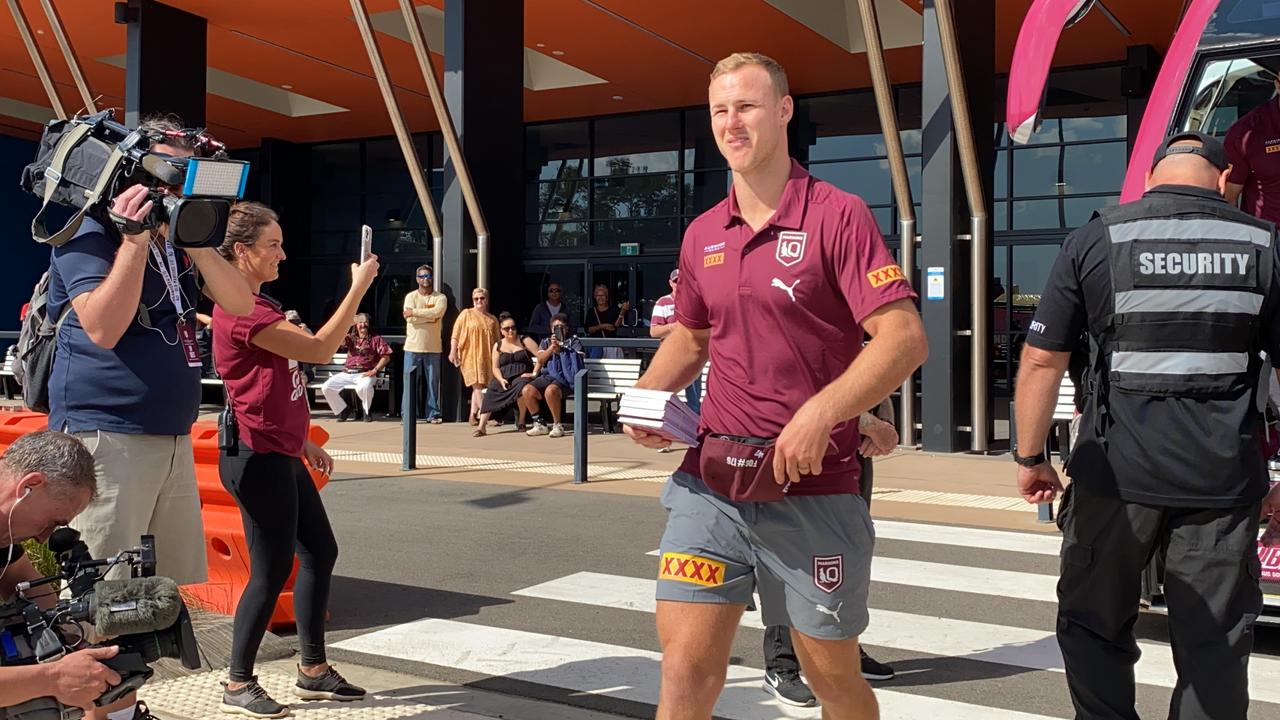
x=935, y=286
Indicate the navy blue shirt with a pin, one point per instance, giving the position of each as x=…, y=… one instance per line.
x=141, y=386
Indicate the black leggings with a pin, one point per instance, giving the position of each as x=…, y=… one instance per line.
x=282, y=515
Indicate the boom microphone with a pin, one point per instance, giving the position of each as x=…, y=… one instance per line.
x=136, y=605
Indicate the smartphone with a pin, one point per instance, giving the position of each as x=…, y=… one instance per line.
x=558, y=332
x=366, y=242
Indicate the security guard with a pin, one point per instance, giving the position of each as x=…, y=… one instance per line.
x=1178, y=294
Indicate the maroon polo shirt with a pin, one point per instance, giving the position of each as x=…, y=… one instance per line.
x=268, y=391
x=1253, y=149
x=785, y=307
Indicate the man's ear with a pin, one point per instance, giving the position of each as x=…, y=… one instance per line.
x=1222, y=181
x=29, y=482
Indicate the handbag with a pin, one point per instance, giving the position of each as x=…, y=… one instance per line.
x=740, y=468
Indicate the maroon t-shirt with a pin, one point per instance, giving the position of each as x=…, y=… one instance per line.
x=784, y=306
x=1253, y=149
x=268, y=392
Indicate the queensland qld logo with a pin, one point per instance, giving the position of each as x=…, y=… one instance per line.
x=790, y=247
x=828, y=572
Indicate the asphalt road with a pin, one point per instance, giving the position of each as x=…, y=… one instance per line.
x=966, y=621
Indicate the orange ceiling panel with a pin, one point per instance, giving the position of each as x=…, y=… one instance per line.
x=651, y=53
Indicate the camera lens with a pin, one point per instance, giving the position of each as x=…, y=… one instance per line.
x=198, y=223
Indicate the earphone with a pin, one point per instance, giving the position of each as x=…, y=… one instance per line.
x=9, y=559
x=24, y=495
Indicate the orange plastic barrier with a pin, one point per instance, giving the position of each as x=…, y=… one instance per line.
x=223, y=530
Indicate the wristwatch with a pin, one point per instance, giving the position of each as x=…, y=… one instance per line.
x=1030, y=461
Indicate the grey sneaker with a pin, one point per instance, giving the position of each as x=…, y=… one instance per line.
x=788, y=688
x=537, y=429
x=251, y=701
x=329, y=686
x=557, y=430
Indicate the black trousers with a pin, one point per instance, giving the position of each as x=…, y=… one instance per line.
x=779, y=652
x=282, y=514
x=1211, y=576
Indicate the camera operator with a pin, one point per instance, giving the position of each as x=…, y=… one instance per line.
x=46, y=478
x=124, y=378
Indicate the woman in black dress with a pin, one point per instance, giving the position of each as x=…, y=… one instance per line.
x=603, y=320
x=514, y=365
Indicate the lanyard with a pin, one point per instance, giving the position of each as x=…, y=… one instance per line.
x=168, y=267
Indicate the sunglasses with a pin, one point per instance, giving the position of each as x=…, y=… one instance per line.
x=479, y=297
x=508, y=327
x=554, y=290
x=425, y=276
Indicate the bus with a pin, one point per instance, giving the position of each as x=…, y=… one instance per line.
x=1222, y=63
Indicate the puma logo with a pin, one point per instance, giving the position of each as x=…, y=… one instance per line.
x=828, y=611
x=790, y=290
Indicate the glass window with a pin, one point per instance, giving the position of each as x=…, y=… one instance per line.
x=868, y=179
x=557, y=235
x=384, y=166
x=330, y=213
x=1226, y=91
x=1031, y=266
x=637, y=144
x=556, y=150
x=884, y=218
x=910, y=141
x=1000, y=185
x=913, y=177
x=647, y=232
x=651, y=284
x=1036, y=170
x=1000, y=216
x=644, y=196
x=386, y=210
x=335, y=168
x=1094, y=168
x=1036, y=215
x=700, y=151
x=703, y=190
x=329, y=283
x=1094, y=128
x=565, y=200
x=1078, y=210
x=570, y=277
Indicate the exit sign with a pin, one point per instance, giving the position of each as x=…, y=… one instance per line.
x=629, y=249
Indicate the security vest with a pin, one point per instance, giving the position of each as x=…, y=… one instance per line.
x=1189, y=282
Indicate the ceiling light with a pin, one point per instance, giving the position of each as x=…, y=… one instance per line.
x=541, y=45
x=617, y=97
x=287, y=87
x=557, y=52
x=39, y=32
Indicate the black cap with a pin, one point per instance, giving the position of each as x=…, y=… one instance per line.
x=1210, y=148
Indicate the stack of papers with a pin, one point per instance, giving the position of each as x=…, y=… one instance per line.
x=660, y=412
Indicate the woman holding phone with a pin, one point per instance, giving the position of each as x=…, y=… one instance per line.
x=258, y=358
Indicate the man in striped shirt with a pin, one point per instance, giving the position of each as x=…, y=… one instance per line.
x=662, y=323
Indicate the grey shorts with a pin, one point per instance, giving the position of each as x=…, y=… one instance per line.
x=810, y=556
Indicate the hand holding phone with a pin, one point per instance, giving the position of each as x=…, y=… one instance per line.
x=366, y=242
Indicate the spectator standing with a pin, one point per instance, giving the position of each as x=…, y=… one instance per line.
x=661, y=323
x=543, y=312
x=258, y=359
x=514, y=360
x=367, y=354
x=561, y=358
x=474, y=334
x=424, y=314
x=602, y=320
x=128, y=383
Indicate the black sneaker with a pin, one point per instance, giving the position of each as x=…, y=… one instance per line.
x=251, y=701
x=368, y=417
x=873, y=670
x=345, y=415
x=142, y=712
x=329, y=686
x=788, y=688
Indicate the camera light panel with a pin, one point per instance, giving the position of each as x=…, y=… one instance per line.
x=216, y=178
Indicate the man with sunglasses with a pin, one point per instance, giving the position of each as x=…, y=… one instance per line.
x=424, y=315
x=543, y=312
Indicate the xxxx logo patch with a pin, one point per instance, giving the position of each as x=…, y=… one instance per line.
x=691, y=569
x=713, y=259
x=884, y=275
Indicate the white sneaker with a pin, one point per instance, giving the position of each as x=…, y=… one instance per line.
x=557, y=430
x=537, y=429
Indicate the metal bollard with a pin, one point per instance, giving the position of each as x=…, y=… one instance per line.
x=580, y=427
x=409, y=422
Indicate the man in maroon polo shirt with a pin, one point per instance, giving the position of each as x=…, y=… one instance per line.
x=1253, y=154
x=778, y=284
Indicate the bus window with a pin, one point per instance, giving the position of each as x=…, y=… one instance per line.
x=1226, y=90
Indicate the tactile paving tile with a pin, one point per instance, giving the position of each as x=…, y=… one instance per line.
x=427, y=462
x=198, y=697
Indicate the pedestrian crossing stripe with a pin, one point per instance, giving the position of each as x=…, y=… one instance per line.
x=615, y=671
x=985, y=642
